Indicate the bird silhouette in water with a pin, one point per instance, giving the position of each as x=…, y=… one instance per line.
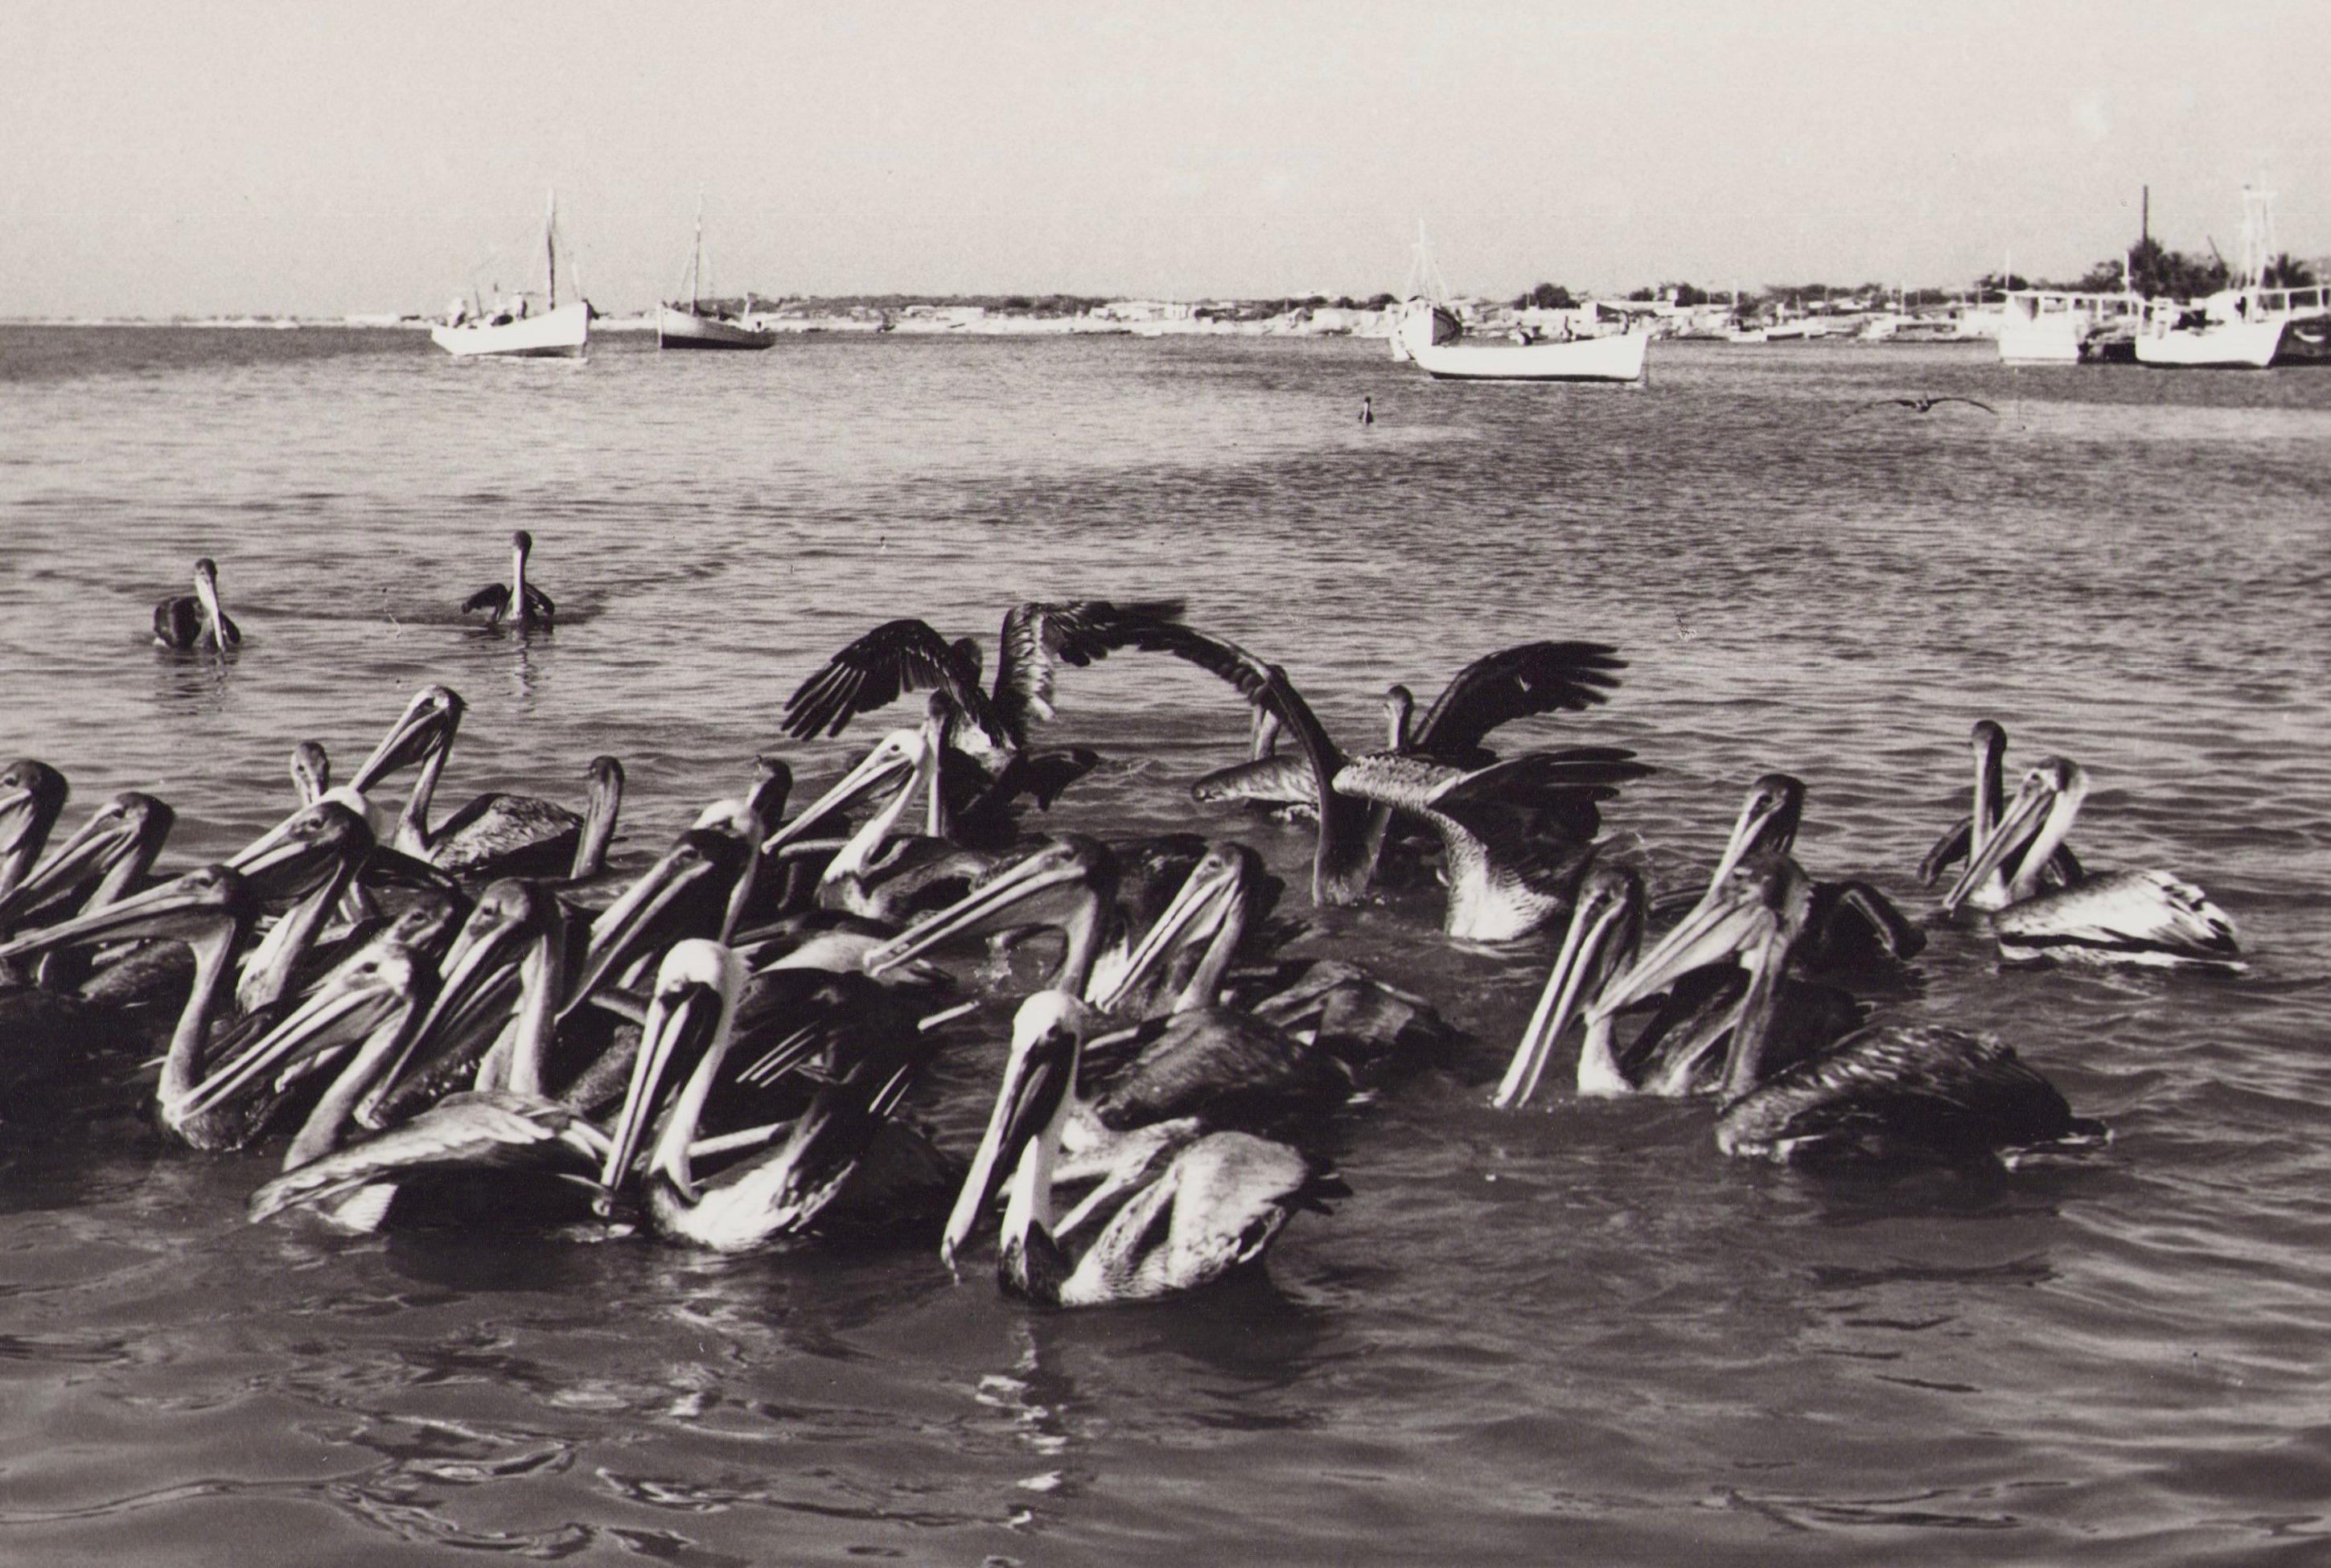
x=1367, y=411
x=519, y=601
x=1927, y=404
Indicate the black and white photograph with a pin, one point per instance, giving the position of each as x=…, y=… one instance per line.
x=1517, y=782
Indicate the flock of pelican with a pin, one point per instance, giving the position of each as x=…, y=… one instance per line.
x=470, y=1017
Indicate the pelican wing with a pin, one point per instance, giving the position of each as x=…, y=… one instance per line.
x=1039, y=637
x=493, y=598
x=2128, y=914
x=1281, y=779
x=1215, y=1206
x=895, y=658
x=1896, y=1094
x=1513, y=683
x=462, y=1131
x=1224, y=1065
x=1954, y=846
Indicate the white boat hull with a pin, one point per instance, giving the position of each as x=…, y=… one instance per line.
x=560, y=334
x=685, y=329
x=1619, y=358
x=2223, y=345
x=2055, y=341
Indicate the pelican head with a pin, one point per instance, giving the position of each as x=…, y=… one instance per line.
x=690, y=1013
x=1606, y=929
x=2034, y=823
x=1067, y=878
x=1770, y=816
x=289, y=858
x=311, y=771
x=522, y=542
x=686, y=893
x=1764, y=899
x=32, y=797
x=898, y=759
x=193, y=904
x=1040, y=1078
x=1400, y=712
x=383, y=988
x=117, y=846
x=423, y=732
x=1213, y=906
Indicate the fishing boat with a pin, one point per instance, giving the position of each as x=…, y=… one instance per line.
x=2063, y=327
x=699, y=324
x=2218, y=333
x=514, y=328
x=1433, y=337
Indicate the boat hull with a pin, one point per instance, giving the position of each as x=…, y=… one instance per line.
x=685, y=329
x=1617, y=357
x=2225, y=346
x=2055, y=341
x=560, y=334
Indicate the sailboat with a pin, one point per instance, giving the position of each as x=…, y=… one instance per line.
x=514, y=328
x=1428, y=332
x=699, y=325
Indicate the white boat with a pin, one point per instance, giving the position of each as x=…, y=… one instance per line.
x=1433, y=337
x=2059, y=327
x=514, y=329
x=697, y=325
x=2212, y=336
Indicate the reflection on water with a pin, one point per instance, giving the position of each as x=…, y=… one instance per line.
x=1576, y=1331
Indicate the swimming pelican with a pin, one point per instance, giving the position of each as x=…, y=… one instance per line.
x=311, y=771
x=107, y=859
x=1215, y=1205
x=908, y=655
x=194, y=620
x=1894, y=1094
x=872, y=1052
x=2115, y=918
x=523, y=604
x=1988, y=743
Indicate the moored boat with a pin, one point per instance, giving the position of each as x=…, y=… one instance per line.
x=514, y=329
x=699, y=324
x=1433, y=337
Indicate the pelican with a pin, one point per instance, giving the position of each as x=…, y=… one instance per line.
x=186, y=621
x=908, y=655
x=1988, y=743
x=1898, y=1094
x=1215, y=1205
x=33, y=795
x=1853, y=929
x=2115, y=917
x=844, y=1137
x=523, y=604
x=877, y=871
x=311, y=771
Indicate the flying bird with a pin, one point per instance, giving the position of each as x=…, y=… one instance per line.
x=1927, y=405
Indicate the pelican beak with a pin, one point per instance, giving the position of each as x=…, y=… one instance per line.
x=1038, y=1078
x=889, y=763
x=1606, y=924
x=629, y=929
x=1767, y=802
x=157, y=911
x=1198, y=910
x=105, y=838
x=428, y=724
x=695, y=999
x=472, y=1003
x=2017, y=827
x=343, y=1010
x=1723, y=926
x=980, y=910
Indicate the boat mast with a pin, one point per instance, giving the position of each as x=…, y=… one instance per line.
x=696, y=265
x=550, y=246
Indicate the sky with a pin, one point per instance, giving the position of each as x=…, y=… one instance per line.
x=165, y=157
